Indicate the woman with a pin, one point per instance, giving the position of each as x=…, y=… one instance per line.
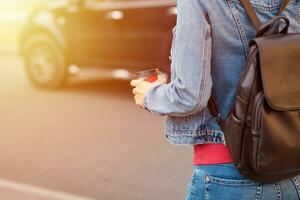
x=208, y=54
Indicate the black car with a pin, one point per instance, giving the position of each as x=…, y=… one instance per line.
x=109, y=34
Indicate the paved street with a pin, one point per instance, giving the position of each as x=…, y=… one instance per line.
x=86, y=141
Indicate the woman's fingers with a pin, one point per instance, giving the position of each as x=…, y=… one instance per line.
x=142, y=86
x=138, y=90
x=139, y=100
x=134, y=91
x=135, y=82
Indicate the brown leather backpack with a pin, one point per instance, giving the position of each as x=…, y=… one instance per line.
x=262, y=130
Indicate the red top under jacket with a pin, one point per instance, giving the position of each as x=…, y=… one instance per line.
x=205, y=154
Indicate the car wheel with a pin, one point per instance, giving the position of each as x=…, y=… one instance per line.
x=45, y=62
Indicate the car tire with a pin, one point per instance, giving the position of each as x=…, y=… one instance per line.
x=45, y=62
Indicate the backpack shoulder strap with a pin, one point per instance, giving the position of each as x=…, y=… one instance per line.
x=283, y=6
x=215, y=112
x=252, y=14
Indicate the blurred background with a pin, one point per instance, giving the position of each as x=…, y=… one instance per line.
x=69, y=127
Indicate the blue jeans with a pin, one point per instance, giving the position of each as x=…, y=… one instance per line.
x=224, y=182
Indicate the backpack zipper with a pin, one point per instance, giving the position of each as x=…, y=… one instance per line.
x=256, y=117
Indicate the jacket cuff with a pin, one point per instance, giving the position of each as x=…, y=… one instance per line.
x=146, y=103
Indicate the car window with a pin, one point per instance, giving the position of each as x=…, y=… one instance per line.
x=97, y=1
x=136, y=0
x=93, y=4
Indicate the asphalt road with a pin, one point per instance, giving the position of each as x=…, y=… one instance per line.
x=86, y=141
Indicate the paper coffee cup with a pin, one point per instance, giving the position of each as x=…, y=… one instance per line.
x=149, y=75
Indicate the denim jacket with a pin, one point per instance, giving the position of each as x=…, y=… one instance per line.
x=209, y=49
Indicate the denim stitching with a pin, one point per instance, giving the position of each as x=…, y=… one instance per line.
x=258, y=192
x=203, y=76
x=172, y=43
x=239, y=25
x=278, y=189
x=196, y=133
x=207, y=183
x=204, y=116
x=207, y=58
x=230, y=182
x=191, y=132
x=190, y=140
x=204, y=135
x=202, y=140
x=297, y=185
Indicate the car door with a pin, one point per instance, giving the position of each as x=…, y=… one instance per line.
x=146, y=32
x=97, y=36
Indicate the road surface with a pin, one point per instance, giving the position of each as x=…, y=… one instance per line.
x=86, y=141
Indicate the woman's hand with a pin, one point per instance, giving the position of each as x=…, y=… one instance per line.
x=141, y=88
